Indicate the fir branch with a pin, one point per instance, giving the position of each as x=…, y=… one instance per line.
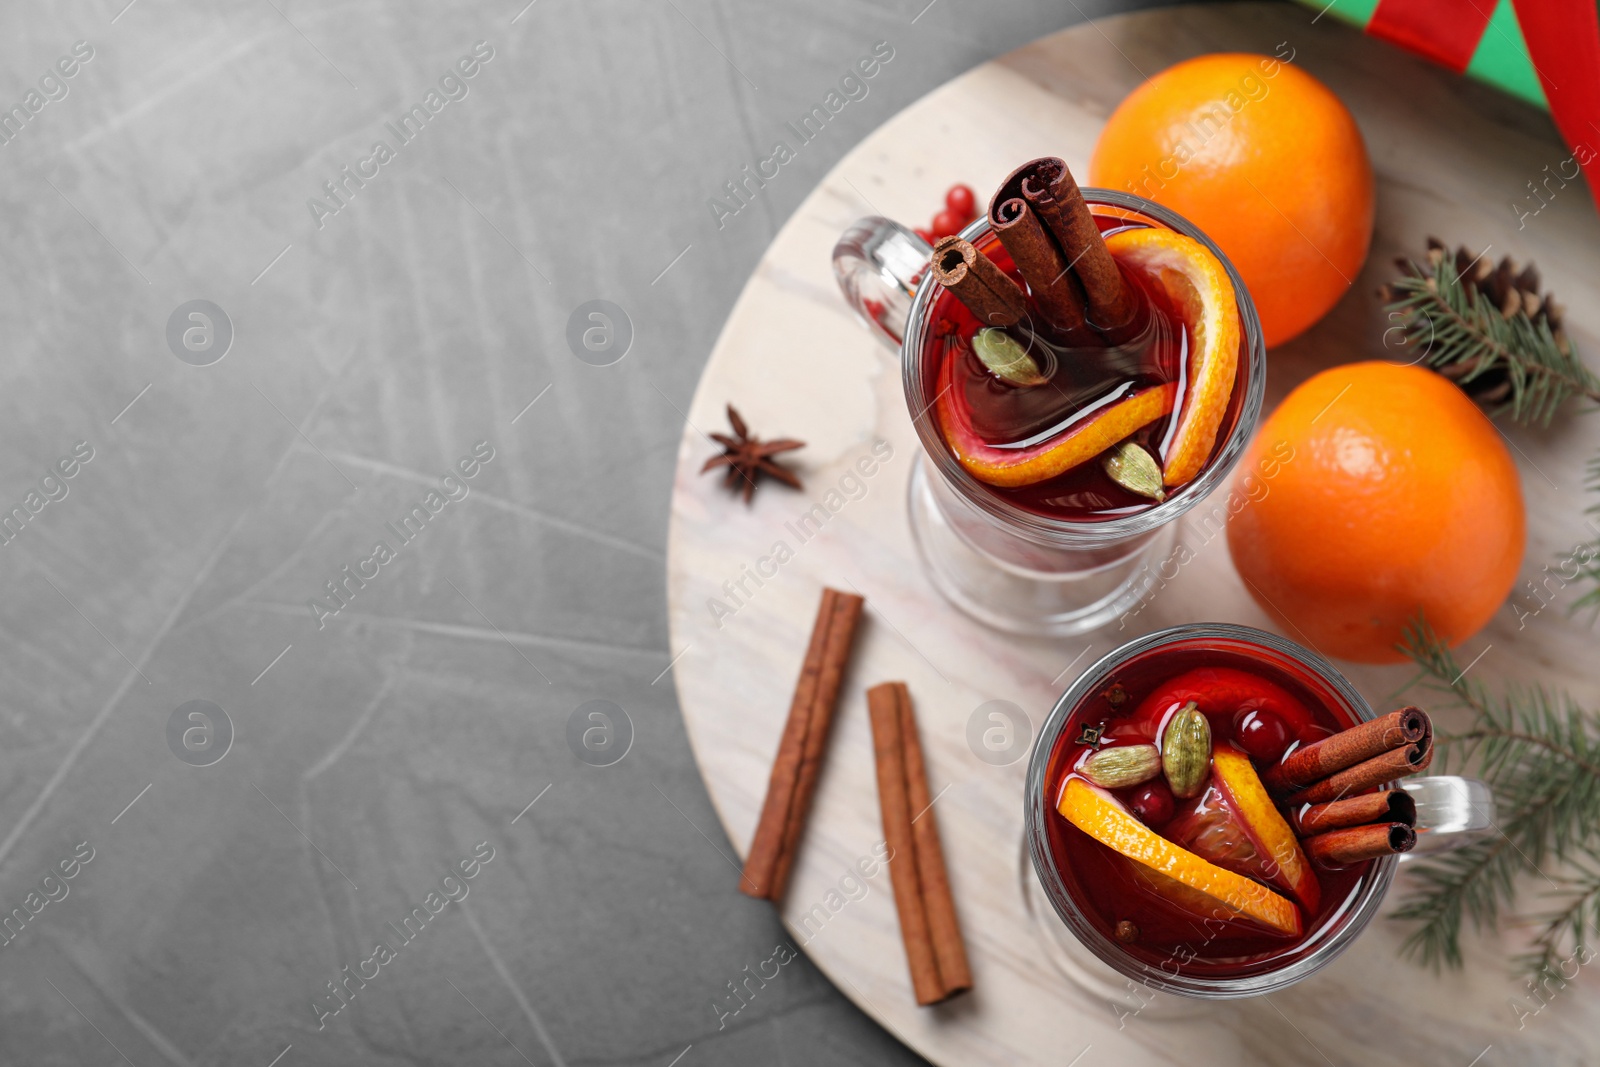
x=1470, y=882
x=1540, y=754
x=1454, y=325
x=1566, y=935
x=1589, y=554
x=1532, y=740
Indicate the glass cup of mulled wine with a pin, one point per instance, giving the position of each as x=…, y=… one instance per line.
x=1070, y=552
x=1196, y=896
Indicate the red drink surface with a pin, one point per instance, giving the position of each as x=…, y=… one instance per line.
x=1081, y=381
x=1228, y=681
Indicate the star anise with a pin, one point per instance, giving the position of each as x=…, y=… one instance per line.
x=748, y=457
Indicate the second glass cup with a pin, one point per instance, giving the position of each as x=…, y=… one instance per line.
x=1187, y=943
x=1016, y=568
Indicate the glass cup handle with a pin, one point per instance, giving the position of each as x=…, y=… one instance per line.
x=878, y=264
x=1451, y=812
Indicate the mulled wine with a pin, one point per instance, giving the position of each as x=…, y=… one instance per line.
x=1191, y=867
x=1119, y=373
x=1082, y=378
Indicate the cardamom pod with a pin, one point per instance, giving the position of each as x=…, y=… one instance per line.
x=1005, y=356
x=1116, y=768
x=1135, y=469
x=1186, y=752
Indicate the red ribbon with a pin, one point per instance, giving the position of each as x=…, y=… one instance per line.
x=1445, y=31
x=1563, y=39
x=1564, y=43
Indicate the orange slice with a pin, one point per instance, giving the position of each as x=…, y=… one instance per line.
x=1079, y=443
x=1098, y=814
x=1236, y=825
x=1199, y=288
x=1193, y=905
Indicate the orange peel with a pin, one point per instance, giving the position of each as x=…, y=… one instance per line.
x=1079, y=443
x=1235, y=775
x=1199, y=289
x=1098, y=814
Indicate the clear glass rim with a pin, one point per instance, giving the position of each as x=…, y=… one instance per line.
x=1038, y=809
x=1064, y=532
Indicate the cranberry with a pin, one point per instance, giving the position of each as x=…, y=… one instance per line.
x=1263, y=734
x=961, y=201
x=945, y=223
x=1152, y=803
x=926, y=236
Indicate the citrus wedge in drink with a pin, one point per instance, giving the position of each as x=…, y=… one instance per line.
x=1236, y=826
x=1080, y=442
x=1204, y=884
x=1198, y=287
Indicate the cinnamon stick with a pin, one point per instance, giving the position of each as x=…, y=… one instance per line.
x=895, y=807
x=987, y=291
x=1388, y=767
x=1353, y=844
x=805, y=736
x=1051, y=191
x=948, y=947
x=1389, y=805
x=935, y=953
x=1303, y=766
x=1055, y=289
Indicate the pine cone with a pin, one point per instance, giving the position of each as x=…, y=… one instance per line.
x=1510, y=290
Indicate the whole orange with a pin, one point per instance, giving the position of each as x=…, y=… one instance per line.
x=1383, y=492
x=1266, y=161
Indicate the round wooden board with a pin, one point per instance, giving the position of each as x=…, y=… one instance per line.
x=1452, y=158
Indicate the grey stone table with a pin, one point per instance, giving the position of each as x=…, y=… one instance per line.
x=305, y=584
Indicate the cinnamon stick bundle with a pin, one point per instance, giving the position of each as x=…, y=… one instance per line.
x=1051, y=191
x=987, y=291
x=1391, y=765
x=935, y=953
x=1408, y=727
x=1023, y=233
x=1353, y=844
x=1388, y=805
x=805, y=736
